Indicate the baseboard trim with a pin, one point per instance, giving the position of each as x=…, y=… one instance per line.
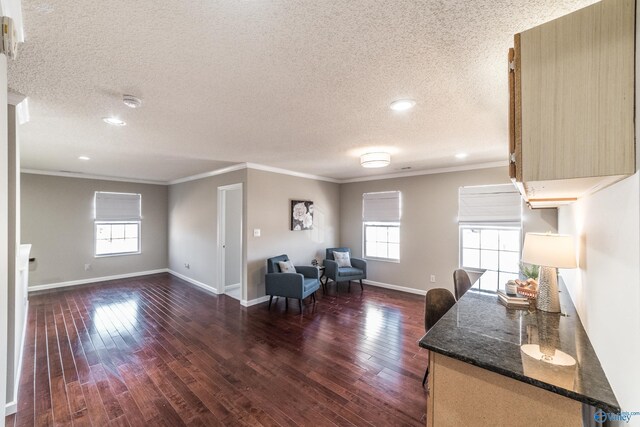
x=395, y=287
x=201, y=285
x=231, y=287
x=12, y=407
x=94, y=280
x=249, y=303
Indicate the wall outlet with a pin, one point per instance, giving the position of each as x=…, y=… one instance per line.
x=256, y=232
x=186, y=265
x=433, y=278
x=87, y=267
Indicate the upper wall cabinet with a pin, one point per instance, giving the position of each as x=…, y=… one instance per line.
x=571, y=85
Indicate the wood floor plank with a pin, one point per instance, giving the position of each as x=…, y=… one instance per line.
x=155, y=350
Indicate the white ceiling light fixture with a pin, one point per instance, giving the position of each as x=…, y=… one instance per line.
x=461, y=155
x=84, y=158
x=402, y=105
x=375, y=160
x=114, y=121
x=131, y=101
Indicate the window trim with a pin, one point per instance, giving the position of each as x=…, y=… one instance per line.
x=364, y=240
x=489, y=226
x=114, y=254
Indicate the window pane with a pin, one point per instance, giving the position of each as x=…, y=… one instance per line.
x=371, y=249
x=130, y=245
x=509, y=261
x=489, y=260
x=489, y=239
x=394, y=234
x=470, y=238
x=381, y=234
x=394, y=251
x=131, y=231
x=510, y=240
x=489, y=281
x=103, y=231
x=371, y=233
x=117, y=231
x=381, y=250
x=102, y=247
x=471, y=258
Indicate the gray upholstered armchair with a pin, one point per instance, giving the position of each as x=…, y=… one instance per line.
x=357, y=271
x=297, y=285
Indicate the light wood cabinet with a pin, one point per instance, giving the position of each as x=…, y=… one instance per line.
x=571, y=86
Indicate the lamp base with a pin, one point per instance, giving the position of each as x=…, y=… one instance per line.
x=548, y=297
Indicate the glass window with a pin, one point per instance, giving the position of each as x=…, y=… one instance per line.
x=382, y=240
x=115, y=238
x=496, y=249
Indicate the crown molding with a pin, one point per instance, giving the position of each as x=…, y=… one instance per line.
x=88, y=176
x=214, y=172
x=15, y=98
x=461, y=168
x=265, y=168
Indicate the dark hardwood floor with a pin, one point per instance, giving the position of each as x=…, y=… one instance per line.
x=157, y=351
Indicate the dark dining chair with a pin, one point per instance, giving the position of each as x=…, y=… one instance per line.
x=461, y=282
x=437, y=302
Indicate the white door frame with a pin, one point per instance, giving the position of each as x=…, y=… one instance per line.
x=222, y=191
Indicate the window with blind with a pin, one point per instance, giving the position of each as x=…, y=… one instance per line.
x=489, y=219
x=117, y=223
x=381, y=225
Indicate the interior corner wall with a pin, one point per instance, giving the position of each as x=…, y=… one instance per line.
x=269, y=209
x=429, y=236
x=58, y=220
x=606, y=287
x=193, y=229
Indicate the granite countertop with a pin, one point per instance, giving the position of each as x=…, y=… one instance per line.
x=481, y=331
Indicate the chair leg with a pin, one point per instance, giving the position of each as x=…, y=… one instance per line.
x=300, y=304
x=286, y=303
x=361, y=287
x=349, y=288
x=270, y=299
x=424, y=379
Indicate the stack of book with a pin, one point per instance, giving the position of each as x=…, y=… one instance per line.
x=513, y=301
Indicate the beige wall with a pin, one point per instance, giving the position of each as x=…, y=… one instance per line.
x=57, y=218
x=429, y=228
x=193, y=233
x=269, y=203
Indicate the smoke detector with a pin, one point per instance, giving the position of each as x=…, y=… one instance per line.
x=131, y=101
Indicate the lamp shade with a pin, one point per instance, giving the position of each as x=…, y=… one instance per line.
x=375, y=160
x=549, y=250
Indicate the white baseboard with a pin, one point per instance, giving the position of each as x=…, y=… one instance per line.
x=395, y=287
x=12, y=407
x=251, y=302
x=231, y=287
x=94, y=280
x=201, y=285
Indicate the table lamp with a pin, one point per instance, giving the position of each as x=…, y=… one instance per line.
x=549, y=251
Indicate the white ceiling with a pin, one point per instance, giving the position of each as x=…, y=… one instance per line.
x=300, y=85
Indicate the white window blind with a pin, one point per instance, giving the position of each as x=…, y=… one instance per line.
x=117, y=206
x=381, y=207
x=489, y=204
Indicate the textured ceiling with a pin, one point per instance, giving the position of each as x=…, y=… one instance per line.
x=300, y=85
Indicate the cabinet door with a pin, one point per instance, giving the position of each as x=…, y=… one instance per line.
x=515, y=135
x=577, y=94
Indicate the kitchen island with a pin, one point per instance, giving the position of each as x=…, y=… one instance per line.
x=492, y=365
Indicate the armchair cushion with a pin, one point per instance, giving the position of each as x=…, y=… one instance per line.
x=286, y=267
x=342, y=258
x=349, y=271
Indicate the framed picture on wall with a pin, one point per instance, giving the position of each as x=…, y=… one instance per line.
x=301, y=215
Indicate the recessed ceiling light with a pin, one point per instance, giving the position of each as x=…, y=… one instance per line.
x=375, y=160
x=402, y=105
x=84, y=158
x=114, y=121
x=131, y=101
x=461, y=155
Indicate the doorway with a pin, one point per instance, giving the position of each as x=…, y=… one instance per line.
x=230, y=241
